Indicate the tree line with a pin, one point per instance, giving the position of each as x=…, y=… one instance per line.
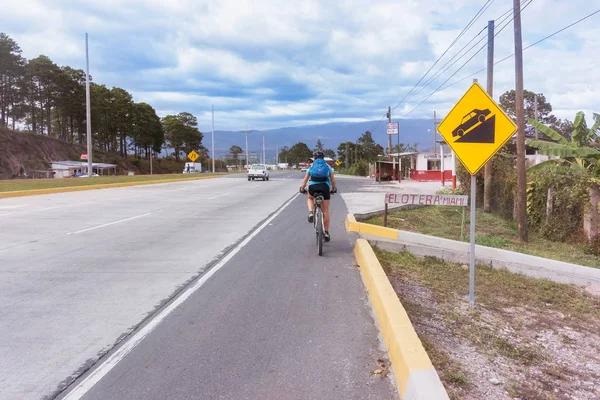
x=48, y=99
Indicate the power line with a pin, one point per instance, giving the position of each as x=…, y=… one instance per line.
x=465, y=63
x=483, y=8
x=471, y=22
x=502, y=18
x=560, y=30
x=446, y=67
x=531, y=45
x=506, y=12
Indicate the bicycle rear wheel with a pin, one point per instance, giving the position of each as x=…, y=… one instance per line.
x=319, y=231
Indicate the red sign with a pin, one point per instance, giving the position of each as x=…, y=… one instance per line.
x=84, y=157
x=427, y=199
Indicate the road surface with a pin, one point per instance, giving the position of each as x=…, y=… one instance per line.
x=84, y=273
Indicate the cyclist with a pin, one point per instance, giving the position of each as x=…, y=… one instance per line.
x=320, y=178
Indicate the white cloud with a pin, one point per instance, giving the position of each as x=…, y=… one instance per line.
x=309, y=61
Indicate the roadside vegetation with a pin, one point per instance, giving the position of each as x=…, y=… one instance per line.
x=32, y=184
x=491, y=230
x=527, y=338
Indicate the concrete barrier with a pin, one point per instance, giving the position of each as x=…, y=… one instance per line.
x=66, y=189
x=368, y=229
x=456, y=251
x=415, y=375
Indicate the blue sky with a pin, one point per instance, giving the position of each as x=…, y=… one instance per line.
x=272, y=64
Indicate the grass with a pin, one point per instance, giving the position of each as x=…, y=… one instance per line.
x=503, y=299
x=32, y=184
x=452, y=372
x=491, y=230
x=497, y=289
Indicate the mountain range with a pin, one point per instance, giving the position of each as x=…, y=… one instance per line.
x=418, y=131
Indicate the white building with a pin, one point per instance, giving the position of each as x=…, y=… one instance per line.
x=69, y=169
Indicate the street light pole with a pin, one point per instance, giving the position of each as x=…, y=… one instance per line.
x=213, y=138
x=88, y=110
x=247, y=145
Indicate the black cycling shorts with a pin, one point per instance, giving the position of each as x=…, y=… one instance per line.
x=320, y=187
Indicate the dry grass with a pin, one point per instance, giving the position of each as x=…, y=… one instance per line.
x=32, y=184
x=534, y=335
x=491, y=230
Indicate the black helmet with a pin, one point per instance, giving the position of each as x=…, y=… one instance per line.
x=318, y=154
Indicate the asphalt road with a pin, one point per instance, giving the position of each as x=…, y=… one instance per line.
x=84, y=271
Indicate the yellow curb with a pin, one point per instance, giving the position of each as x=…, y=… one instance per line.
x=368, y=229
x=351, y=224
x=404, y=347
x=34, y=192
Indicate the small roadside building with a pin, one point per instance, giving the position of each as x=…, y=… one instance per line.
x=427, y=167
x=70, y=169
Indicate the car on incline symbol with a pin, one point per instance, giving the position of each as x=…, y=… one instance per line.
x=470, y=121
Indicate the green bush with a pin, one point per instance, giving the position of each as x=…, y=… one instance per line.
x=136, y=161
x=360, y=168
x=504, y=181
x=570, y=197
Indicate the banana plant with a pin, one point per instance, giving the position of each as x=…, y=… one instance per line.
x=575, y=152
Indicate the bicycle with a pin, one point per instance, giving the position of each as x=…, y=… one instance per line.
x=318, y=222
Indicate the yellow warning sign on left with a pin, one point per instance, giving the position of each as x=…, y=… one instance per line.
x=193, y=156
x=476, y=128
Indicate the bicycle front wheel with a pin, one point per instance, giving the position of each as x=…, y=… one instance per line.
x=319, y=217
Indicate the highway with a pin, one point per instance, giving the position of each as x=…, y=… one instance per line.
x=191, y=290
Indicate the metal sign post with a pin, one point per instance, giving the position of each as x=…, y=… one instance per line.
x=475, y=129
x=472, y=243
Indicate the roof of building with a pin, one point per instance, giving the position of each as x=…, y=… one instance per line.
x=77, y=164
x=407, y=153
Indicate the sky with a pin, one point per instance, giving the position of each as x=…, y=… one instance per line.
x=271, y=64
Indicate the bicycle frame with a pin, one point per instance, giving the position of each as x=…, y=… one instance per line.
x=318, y=222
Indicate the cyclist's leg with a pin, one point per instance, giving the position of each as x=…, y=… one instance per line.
x=325, y=207
x=310, y=202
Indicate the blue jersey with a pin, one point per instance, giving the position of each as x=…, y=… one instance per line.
x=311, y=182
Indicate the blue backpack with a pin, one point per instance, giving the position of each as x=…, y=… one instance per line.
x=319, y=171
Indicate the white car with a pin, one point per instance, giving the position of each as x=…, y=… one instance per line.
x=304, y=169
x=258, y=171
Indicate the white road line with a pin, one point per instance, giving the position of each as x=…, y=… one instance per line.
x=7, y=207
x=255, y=186
x=49, y=208
x=214, y=197
x=96, y=375
x=108, y=224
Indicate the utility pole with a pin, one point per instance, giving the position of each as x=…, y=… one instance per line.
x=213, y=138
x=520, y=109
x=246, y=132
x=277, y=153
x=487, y=174
x=88, y=110
x=536, y=114
x=347, y=157
x=389, y=115
x=535, y=110
x=434, y=132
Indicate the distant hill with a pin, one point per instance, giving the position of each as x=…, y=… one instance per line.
x=331, y=135
x=21, y=153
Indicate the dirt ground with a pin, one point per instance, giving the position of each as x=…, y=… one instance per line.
x=528, y=339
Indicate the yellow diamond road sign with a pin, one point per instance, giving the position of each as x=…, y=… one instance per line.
x=193, y=155
x=337, y=163
x=476, y=128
